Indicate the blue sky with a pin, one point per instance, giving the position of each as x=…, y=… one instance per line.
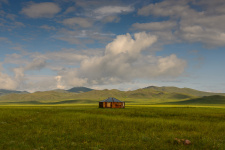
x=55, y=44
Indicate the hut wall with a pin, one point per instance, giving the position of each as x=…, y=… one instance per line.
x=111, y=105
x=105, y=105
x=108, y=104
x=118, y=105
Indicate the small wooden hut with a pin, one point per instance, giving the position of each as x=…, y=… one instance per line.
x=111, y=102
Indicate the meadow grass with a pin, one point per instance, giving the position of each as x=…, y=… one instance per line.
x=89, y=127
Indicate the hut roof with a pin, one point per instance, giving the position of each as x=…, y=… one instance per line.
x=111, y=99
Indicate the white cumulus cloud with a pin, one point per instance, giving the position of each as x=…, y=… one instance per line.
x=123, y=61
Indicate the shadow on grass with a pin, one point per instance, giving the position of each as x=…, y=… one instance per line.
x=205, y=100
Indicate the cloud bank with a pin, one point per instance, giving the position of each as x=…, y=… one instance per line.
x=122, y=61
x=204, y=24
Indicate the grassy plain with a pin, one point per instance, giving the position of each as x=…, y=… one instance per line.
x=83, y=126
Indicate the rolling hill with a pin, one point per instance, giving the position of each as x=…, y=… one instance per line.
x=149, y=95
x=187, y=91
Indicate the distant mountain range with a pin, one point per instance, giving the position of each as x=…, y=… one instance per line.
x=148, y=95
x=74, y=90
x=79, y=89
x=3, y=92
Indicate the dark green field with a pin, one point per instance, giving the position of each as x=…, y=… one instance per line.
x=88, y=127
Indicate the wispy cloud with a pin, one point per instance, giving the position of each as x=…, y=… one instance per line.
x=83, y=37
x=4, y=2
x=5, y=40
x=77, y=21
x=69, y=10
x=47, y=27
x=39, y=10
x=105, y=11
x=155, y=26
x=109, y=19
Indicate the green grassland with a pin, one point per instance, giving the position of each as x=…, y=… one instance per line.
x=85, y=126
x=152, y=119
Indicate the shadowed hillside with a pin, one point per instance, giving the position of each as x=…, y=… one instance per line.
x=79, y=89
x=206, y=100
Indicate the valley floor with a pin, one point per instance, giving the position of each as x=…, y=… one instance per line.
x=89, y=127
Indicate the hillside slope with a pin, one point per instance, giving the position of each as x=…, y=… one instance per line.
x=37, y=96
x=187, y=91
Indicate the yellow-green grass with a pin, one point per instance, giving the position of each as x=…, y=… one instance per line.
x=89, y=127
